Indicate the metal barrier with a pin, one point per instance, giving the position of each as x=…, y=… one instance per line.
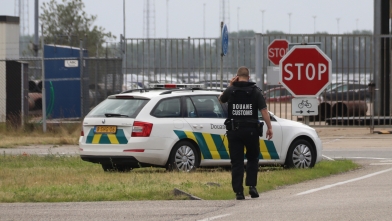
x=357, y=62
x=67, y=98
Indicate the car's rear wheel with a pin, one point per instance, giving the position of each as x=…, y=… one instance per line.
x=183, y=157
x=301, y=154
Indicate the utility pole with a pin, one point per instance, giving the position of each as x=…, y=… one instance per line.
x=289, y=22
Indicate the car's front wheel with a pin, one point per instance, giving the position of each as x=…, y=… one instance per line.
x=301, y=154
x=183, y=157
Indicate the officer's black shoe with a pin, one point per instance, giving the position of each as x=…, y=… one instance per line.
x=239, y=196
x=253, y=192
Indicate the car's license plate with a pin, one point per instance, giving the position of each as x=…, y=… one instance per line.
x=105, y=129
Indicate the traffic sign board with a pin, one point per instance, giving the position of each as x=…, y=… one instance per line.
x=225, y=40
x=305, y=71
x=277, y=49
x=304, y=106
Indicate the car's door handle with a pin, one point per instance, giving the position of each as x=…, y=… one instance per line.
x=197, y=126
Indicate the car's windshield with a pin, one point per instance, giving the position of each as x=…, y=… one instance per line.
x=113, y=107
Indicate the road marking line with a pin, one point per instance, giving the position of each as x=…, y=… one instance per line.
x=379, y=164
x=328, y=158
x=344, y=182
x=332, y=140
x=214, y=217
x=369, y=158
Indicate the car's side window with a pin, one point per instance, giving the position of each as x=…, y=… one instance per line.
x=261, y=116
x=208, y=107
x=276, y=93
x=342, y=88
x=191, y=112
x=168, y=108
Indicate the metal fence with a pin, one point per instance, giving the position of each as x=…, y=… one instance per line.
x=357, y=61
x=184, y=60
x=69, y=89
x=347, y=101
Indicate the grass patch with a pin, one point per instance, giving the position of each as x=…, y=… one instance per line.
x=32, y=134
x=53, y=178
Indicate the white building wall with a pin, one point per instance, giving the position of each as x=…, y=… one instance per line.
x=9, y=49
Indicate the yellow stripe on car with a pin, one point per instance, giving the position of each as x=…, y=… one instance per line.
x=215, y=146
x=102, y=138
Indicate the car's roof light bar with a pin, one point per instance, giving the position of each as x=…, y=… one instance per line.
x=176, y=86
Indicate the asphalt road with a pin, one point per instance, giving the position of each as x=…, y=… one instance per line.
x=363, y=194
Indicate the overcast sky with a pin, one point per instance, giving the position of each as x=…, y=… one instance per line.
x=186, y=17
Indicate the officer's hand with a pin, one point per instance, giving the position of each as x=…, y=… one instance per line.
x=234, y=79
x=269, y=134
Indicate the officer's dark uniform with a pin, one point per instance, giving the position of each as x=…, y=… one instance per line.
x=245, y=101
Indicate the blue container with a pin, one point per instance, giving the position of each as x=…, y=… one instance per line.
x=62, y=81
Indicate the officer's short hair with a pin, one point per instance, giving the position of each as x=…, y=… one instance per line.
x=243, y=71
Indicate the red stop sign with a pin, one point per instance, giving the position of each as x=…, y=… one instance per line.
x=277, y=49
x=305, y=71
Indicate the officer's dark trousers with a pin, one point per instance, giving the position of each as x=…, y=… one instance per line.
x=239, y=138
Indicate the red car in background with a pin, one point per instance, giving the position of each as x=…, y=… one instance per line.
x=277, y=94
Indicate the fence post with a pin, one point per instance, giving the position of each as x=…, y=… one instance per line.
x=259, y=60
x=221, y=61
x=22, y=112
x=43, y=82
x=81, y=80
x=188, y=58
x=96, y=79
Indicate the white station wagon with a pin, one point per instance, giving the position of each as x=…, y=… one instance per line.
x=181, y=129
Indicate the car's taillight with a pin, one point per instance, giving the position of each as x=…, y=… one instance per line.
x=82, y=133
x=141, y=129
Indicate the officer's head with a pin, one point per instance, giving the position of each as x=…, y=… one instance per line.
x=243, y=73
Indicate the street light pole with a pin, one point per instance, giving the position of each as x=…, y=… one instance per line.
x=314, y=18
x=338, y=19
x=262, y=20
x=204, y=20
x=167, y=18
x=238, y=21
x=289, y=22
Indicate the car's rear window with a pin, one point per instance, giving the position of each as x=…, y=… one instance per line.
x=113, y=107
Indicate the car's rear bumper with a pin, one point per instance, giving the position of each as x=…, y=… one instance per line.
x=129, y=161
x=150, y=151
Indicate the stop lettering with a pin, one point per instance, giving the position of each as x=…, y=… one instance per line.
x=305, y=71
x=310, y=71
x=276, y=52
